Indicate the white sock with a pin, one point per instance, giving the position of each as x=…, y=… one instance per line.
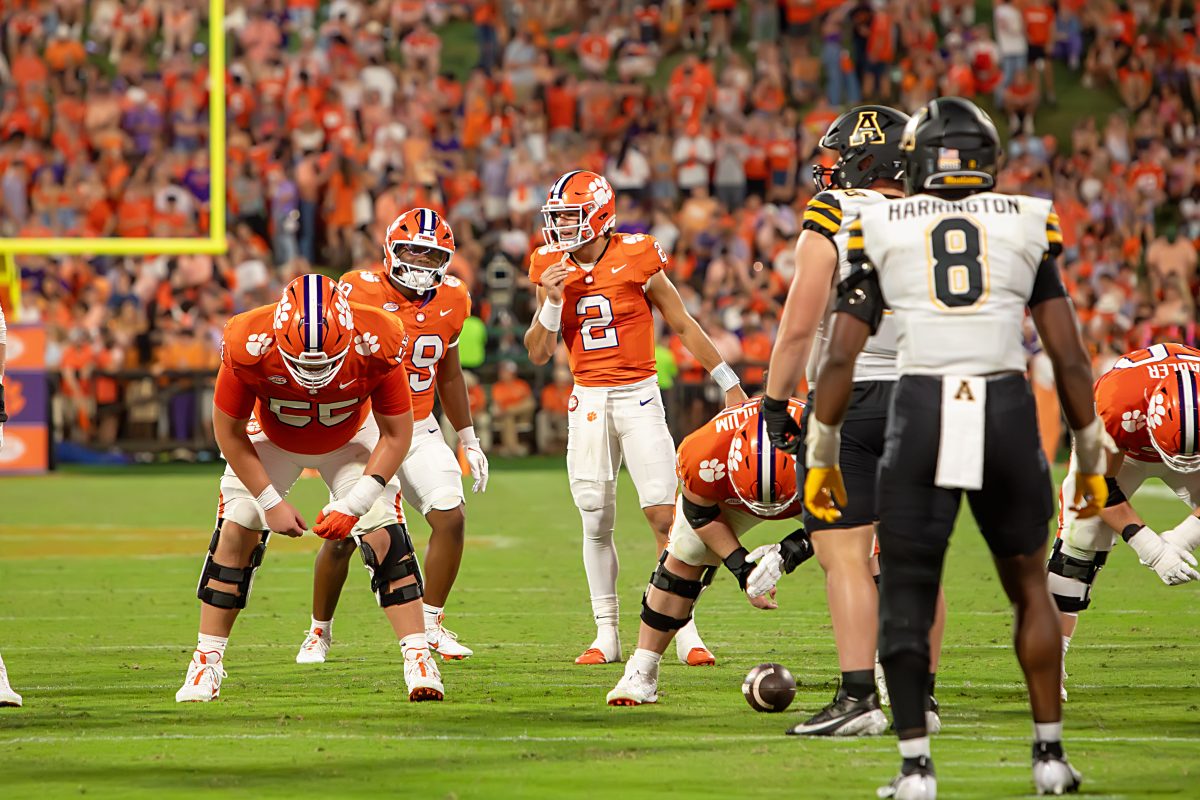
x=211, y=644
x=645, y=661
x=325, y=626
x=1049, y=732
x=1066, y=645
x=688, y=638
x=600, y=556
x=606, y=611
x=414, y=641
x=431, y=615
x=914, y=748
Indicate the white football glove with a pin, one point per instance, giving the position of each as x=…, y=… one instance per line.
x=1185, y=535
x=768, y=567
x=1173, y=564
x=476, y=459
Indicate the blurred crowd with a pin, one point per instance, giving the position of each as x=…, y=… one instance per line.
x=704, y=114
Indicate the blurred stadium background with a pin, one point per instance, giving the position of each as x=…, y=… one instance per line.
x=703, y=113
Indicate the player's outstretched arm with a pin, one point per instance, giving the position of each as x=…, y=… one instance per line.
x=239, y=453
x=541, y=340
x=665, y=297
x=705, y=518
x=452, y=391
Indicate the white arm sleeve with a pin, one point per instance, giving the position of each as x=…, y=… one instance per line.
x=3, y=329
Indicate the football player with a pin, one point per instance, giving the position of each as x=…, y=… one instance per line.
x=326, y=385
x=1149, y=405
x=414, y=286
x=732, y=478
x=7, y=696
x=958, y=266
x=600, y=288
x=869, y=170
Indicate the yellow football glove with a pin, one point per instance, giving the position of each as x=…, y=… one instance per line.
x=824, y=493
x=1091, y=493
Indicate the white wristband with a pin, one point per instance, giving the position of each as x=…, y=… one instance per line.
x=1089, y=448
x=824, y=443
x=1147, y=544
x=725, y=377
x=269, y=497
x=364, y=494
x=467, y=437
x=550, y=315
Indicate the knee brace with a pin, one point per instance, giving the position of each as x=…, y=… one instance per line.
x=243, y=577
x=398, y=563
x=665, y=580
x=1071, y=578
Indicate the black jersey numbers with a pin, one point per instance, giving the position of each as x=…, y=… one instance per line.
x=958, y=263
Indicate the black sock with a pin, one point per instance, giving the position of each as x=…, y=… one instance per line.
x=932, y=682
x=858, y=683
x=908, y=684
x=1052, y=749
x=911, y=765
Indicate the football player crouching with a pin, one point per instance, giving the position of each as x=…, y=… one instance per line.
x=731, y=479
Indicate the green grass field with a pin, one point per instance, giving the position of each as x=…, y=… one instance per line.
x=98, y=617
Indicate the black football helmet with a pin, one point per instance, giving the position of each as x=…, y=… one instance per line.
x=950, y=145
x=868, y=141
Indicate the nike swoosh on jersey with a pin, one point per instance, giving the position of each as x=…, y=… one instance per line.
x=347, y=383
x=615, y=270
x=445, y=311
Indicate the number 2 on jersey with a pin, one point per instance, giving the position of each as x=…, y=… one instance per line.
x=957, y=247
x=427, y=351
x=596, y=328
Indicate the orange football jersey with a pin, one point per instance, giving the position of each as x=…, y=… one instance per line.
x=1123, y=392
x=253, y=378
x=433, y=325
x=607, y=321
x=701, y=461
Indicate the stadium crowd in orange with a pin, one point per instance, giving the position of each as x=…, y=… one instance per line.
x=704, y=115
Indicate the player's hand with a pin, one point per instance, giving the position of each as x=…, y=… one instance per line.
x=766, y=602
x=782, y=429
x=1185, y=535
x=479, y=466
x=285, y=519
x=1091, y=493
x=735, y=396
x=333, y=524
x=824, y=493
x=554, y=278
x=1172, y=564
x=768, y=567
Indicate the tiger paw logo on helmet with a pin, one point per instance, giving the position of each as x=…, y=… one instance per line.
x=600, y=190
x=735, y=454
x=259, y=343
x=366, y=343
x=281, y=311
x=1156, y=413
x=1132, y=421
x=711, y=470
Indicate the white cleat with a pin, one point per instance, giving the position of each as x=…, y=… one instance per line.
x=636, y=688
x=315, y=647
x=1054, y=775
x=422, y=677
x=881, y=684
x=203, y=681
x=919, y=785
x=7, y=696
x=444, y=642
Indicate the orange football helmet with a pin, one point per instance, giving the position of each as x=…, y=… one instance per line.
x=581, y=206
x=1173, y=420
x=418, y=249
x=314, y=328
x=763, y=476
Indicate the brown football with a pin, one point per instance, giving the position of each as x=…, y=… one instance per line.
x=769, y=687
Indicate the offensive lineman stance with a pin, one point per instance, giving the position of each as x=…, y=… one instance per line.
x=958, y=265
x=307, y=368
x=869, y=170
x=599, y=287
x=732, y=479
x=414, y=286
x=1150, y=405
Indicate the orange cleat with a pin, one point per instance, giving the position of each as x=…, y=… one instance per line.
x=701, y=657
x=593, y=655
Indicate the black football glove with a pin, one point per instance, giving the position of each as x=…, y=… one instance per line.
x=782, y=428
x=796, y=548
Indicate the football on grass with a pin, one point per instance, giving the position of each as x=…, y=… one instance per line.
x=769, y=687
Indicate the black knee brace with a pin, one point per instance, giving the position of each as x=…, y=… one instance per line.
x=242, y=576
x=398, y=563
x=1065, y=572
x=665, y=580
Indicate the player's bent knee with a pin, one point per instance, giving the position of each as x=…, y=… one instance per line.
x=670, y=582
x=241, y=577
x=1070, y=574
x=397, y=564
x=592, y=495
x=246, y=512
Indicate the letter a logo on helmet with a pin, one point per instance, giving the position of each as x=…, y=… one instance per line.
x=867, y=130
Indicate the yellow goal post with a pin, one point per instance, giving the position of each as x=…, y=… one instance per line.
x=214, y=244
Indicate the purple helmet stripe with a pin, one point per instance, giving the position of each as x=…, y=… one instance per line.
x=560, y=185
x=314, y=321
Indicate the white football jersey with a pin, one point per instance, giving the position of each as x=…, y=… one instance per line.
x=958, y=276
x=830, y=214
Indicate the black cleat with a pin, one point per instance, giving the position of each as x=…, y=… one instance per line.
x=845, y=716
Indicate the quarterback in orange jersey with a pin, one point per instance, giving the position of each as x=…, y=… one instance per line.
x=1150, y=404
x=732, y=478
x=413, y=286
x=312, y=381
x=599, y=288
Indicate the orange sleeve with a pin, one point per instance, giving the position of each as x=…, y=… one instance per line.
x=392, y=396
x=231, y=395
